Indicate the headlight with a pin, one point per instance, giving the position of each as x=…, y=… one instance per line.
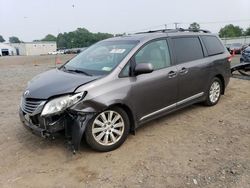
x=61, y=103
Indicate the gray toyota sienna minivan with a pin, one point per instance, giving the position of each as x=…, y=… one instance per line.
x=116, y=85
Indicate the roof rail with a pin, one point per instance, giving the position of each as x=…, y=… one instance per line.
x=159, y=30
x=175, y=30
x=194, y=30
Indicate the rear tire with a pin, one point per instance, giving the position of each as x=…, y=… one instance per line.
x=108, y=130
x=214, y=92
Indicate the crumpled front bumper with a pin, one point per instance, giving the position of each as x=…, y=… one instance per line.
x=30, y=126
x=73, y=124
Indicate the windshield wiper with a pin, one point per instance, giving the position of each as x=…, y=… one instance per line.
x=76, y=71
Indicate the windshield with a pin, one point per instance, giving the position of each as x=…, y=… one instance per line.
x=247, y=50
x=101, y=58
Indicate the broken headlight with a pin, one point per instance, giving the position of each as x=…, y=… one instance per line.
x=61, y=103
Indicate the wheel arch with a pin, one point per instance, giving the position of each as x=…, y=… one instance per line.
x=222, y=82
x=129, y=113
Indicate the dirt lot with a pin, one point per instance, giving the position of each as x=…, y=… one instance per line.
x=196, y=147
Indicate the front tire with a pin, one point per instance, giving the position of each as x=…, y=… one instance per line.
x=108, y=130
x=214, y=92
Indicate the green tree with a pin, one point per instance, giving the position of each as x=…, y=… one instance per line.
x=49, y=37
x=61, y=41
x=1, y=38
x=231, y=31
x=81, y=37
x=247, y=32
x=194, y=26
x=14, y=39
x=120, y=34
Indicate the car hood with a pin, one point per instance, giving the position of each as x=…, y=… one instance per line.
x=55, y=82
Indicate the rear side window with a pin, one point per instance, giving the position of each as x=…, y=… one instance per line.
x=213, y=45
x=187, y=49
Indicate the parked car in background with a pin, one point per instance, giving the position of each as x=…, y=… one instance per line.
x=74, y=50
x=245, y=46
x=245, y=55
x=56, y=52
x=236, y=48
x=119, y=84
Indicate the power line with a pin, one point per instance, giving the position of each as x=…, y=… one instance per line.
x=228, y=21
x=176, y=25
x=215, y=22
x=185, y=23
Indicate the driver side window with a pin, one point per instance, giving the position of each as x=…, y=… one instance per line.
x=156, y=53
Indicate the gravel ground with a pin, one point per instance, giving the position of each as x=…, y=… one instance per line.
x=195, y=147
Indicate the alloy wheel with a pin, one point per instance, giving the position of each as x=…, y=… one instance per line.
x=108, y=128
x=214, y=92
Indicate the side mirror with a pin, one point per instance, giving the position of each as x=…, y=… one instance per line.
x=143, y=68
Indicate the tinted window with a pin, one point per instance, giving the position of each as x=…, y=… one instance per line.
x=156, y=53
x=213, y=45
x=187, y=49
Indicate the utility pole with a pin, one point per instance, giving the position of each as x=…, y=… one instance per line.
x=176, y=25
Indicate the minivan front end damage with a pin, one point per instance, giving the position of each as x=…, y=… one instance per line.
x=71, y=119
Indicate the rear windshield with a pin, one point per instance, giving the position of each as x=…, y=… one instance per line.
x=213, y=45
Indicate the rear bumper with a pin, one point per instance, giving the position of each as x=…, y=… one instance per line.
x=241, y=66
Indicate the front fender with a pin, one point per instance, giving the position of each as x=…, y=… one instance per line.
x=77, y=128
x=88, y=107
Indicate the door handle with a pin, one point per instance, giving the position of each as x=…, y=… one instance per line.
x=183, y=70
x=172, y=74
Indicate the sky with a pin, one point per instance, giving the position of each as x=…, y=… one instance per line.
x=34, y=19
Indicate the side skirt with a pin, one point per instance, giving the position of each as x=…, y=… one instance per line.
x=171, y=108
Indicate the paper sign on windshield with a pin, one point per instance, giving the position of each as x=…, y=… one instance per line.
x=107, y=68
x=117, y=51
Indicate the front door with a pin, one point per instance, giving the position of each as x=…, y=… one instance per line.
x=154, y=93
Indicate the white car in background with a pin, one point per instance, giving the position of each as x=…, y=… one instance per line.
x=56, y=52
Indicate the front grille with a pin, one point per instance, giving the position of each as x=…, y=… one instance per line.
x=29, y=106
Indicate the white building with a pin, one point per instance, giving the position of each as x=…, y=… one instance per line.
x=34, y=48
x=6, y=50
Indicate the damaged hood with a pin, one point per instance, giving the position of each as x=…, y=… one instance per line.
x=55, y=82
